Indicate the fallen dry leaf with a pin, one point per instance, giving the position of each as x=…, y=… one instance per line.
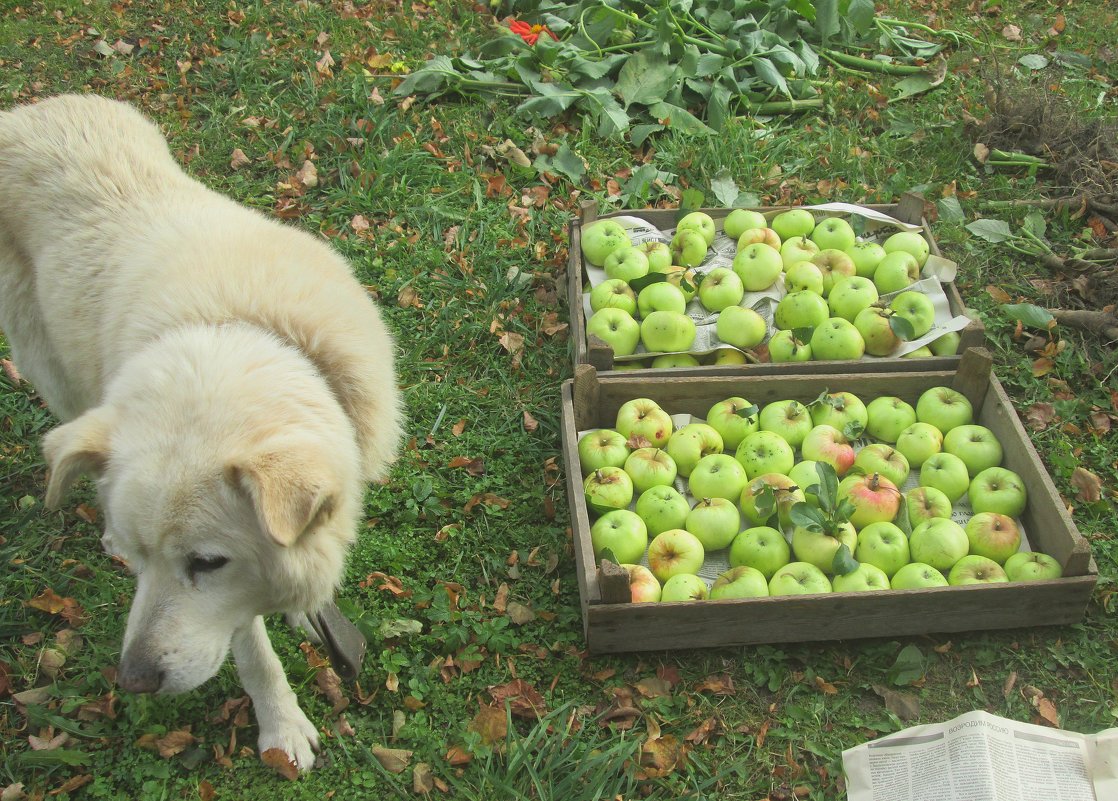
x=13, y=792
x=458, y=427
x=73, y=783
x=905, y=706
x=394, y=760
x=278, y=760
x=1011, y=33
x=520, y=614
x=490, y=723
x=457, y=756
x=1040, y=415
x=722, y=684
x=238, y=159
x=653, y=687
x=13, y=375
x=661, y=756
x=530, y=423
x=205, y=791
x=1088, y=486
x=523, y=699
x=174, y=743
x=422, y=781
x=48, y=601
x=706, y=730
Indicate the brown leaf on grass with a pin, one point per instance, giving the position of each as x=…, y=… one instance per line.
x=1058, y=25
x=1011, y=33
x=387, y=583
x=278, y=760
x=457, y=756
x=905, y=706
x=234, y=710
x=409, y=298
x=174, y=743
x=530, y=423
x=86, y=513
x=524, y=700
x=490, y=723
x=73, y=783
x=825, y=686
x=48, y=601
x=550, y=324
x=1088, y=486
x=1046, y=712
x=308, y=174
x=11, y=372
x=489, y=499
x=653, y=687
x=514, y=344
x=1043, y=366
x=330, y=685
x=1040, y=415
x=422, y=781
x=998, y=294
x=475, y=467
x=5, y=679
x=1100, y=422
x=13, y=792
x=49, y=743
x=981, y=153
x=1010, y=682
x=708, y=729
x=500, y=602
x=458, y=427
x=394, y=760
x=238, y=159
x=520, y=613
x=661, y=756
x=722, y=684
x=205, y=791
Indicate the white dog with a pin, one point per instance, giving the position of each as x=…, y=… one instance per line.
x=224, y=377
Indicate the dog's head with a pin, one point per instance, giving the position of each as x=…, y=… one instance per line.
x=225, y=508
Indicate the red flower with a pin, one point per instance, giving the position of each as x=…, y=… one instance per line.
x=530, y=33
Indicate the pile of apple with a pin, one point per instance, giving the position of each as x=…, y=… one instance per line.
x=835, y=284
x=783, y=495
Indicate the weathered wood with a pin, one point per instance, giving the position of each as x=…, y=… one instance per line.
x=580, y=518
x=599, y=354
x=973, y=377
x=575, y=281
x=613, y=582
x=588, y=211
x=586, y=396
x=910, y=209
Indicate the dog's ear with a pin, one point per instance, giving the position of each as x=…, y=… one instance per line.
x=74, y=449
x=290, y=490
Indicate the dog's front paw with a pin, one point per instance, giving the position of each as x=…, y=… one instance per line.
x=290, y=731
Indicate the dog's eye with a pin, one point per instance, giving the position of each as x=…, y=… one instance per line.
x=206, y=564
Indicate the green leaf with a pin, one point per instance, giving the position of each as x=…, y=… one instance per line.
x=55, y=756
x=902, y=328
x=802, y=335
x=436, y=74
x=828, y=483
x=853, y=430
x=844, y=561
x=990, y=230
x=748, y=412
x=768, y=73
x=909, y=666
x=826, y=20
x=645, y=78
x=724, y=188
x=1033, y=61
x=648, y=279
x=950, y=210
x=860, y=14
x=690, y=200
x=911, y=86
x=1028, y=314
x=399, y=627
x=565, y=162
x=805, y=515
x=1035, y=223
x=639, y=133
x=679, y=119
x=764, y=502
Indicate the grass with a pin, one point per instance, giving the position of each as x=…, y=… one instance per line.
x=460, y=269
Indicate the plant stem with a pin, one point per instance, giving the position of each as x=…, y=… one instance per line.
x=870, y=65
x=781, y=106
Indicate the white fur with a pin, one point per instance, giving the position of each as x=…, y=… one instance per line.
x=224, y=378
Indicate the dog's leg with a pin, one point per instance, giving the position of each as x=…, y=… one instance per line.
x=282, y=723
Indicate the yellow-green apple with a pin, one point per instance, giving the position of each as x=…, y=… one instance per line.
x=922, y=352
x=669, y=360
x=804, y=275
x=909, y=242
x=767, y=495
x=698, y=221
x=796, y=249
x=662, y=508
x=761, y=547
x=938, y=542
x=685, y=279
x=917, y=309
x=895, y=272
x=919, y=442
x=717, y=476
x=691, y=443
x=788, y=418
x=925, y=503
x=835, y=266
x=617, y=328
x=884, y=546
x=947, y=473
x=917, y=576
x=758, y=266
x=613, y=293
x=738, y=221
x=643, y=418
x=684, y=587
x=740, y=582
x=884, y=459
x=741, y=327
x=629, y=366
x=673, y=552
x=786, y=346
x=945, y=408
x=887, y=416
x=799, y=578
x=993, y=535
x=601, y=238
x=602, y=447
x=643, y=586
x=715, y=521
x=850, y=295
x=826, y=443
x=667, y=331
x=876, y=327
x=720, y=289
x=975, y=569
x=800, y=309
x=734, y=419
x=650, y=467
x=626, y=263
x=765, y=452
x=866, y=577
x=843, y=410
x=866, y=256
x=1032, y=566
x=875, y=498
x=834, y=233
x=622, y=532
x=608, y=488
x=689, y=247
x=804, y=475
x=794, y=222
x=658, y=253
x=837, y=339
x=819, y=547
x=997, y=489
x=765, y=236
x=976, y=445
x=660, y=296
x=946, y=345
x=724, y=356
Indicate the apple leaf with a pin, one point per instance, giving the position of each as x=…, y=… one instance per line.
x=844, y=510
x=748, y=411
x=1035, y=223
x=990, y=230
x=828, y=483
x=902, y=328
x=844, y=561
x=1033, y=61
x=765, y=502
x=853, y=430
x=806, y=516
x=802, y=335
x=1028, y=314
x=950, y=210
x=608, y=554
x=826, y=20
x=645, y=78
x=637, y=284
x=690, y=200
x=909, y=666
x=724, y=188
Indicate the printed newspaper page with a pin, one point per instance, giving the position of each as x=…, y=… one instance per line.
x=982, y=757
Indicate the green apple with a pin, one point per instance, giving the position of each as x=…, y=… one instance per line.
x=875, y=498
x=804, y=276
x=767, y=495
x=922, y=352
x=997, y=489
x=834, y=233
x=945, y=408
x=720, y=289
x=947, y=473
x=924, y=503
x=758, y=266
x=884, y=546
x=975, y=569
x=835, y=266
x=993, y=535
x=658, y=253
x=698, y=221
x=884, y=459
x=660, y=296
x=650, y=467
x=629, y=366
x=917, y=576
x=1032, y=566
x=826, y=443
x=734, y=419
x=684, y=587
x=718, y=475
x=843, y=410
x=691, y=443
x=895, y=272
x=837, y=339
x=622, y=532
x=762, y=548
x=643, y=586
x=864, y=578
x=887, y=416
x=799, y=578
x=797, y=249
x=669, y=360
x=673, y=552
x=805, y=476
x=866, y=256
x=876, y=327
x=616, y=328
x=724, y=356
x=800, y=309
x=685, y=279
x=765, y=452
x=794, y=222
x=613, y=293
x=938, y=542
x=819, y=548
x=715, y=521
x=667, y=331
x=608, y=488
x=689, y=247
x=662, y=508
x=909, y=242
x=602, y=447
x=946, y=345
x=976, y=445
x=601, y=238
x=626, y=263
x=643, y=418
x=738, y=221
x=740, y=582
x=790, y=419
x=764, y=236
x=917, y=309
x=919, y=442
x=850, y=295
x=784, y=346
x=741, y=327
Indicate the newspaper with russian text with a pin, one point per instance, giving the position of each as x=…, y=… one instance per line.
x=983, y=757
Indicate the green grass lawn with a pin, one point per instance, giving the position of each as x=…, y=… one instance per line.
x=464, y=580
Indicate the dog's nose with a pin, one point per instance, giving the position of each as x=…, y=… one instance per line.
x=139, y=675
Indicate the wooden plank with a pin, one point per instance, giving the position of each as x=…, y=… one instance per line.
x=580, y=518
x=613, y=582
x=973, y=378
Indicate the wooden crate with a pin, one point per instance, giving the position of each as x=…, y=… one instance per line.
x=612, y=624
x=593, y=351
